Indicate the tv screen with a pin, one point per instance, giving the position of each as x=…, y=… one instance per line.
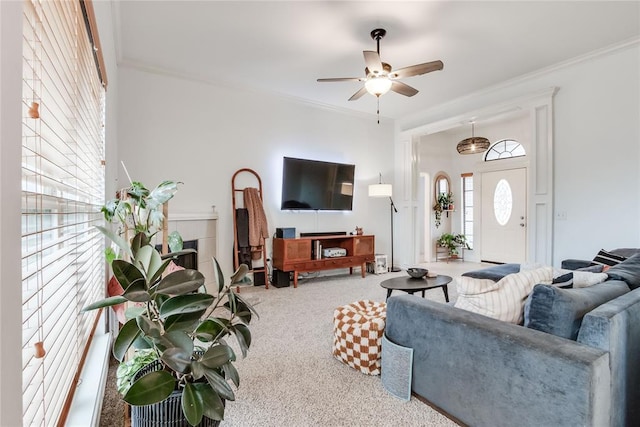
x=316, y=185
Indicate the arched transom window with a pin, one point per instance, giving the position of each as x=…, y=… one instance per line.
x=504, y=149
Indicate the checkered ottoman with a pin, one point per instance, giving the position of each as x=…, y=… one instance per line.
x=358, y=328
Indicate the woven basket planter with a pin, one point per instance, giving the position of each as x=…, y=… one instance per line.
x=167, y=413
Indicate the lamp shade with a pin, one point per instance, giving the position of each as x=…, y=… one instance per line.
x=378, y=85
x=473, y=145
x=380, y=190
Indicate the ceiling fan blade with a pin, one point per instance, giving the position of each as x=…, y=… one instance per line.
x=372, y=61
x=358, y=94
x=416, y=70
x=403, y=89
x=343, y=79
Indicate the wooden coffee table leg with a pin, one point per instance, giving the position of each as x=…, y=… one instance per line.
x=389, y=293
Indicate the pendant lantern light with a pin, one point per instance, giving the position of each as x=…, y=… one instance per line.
x=473, y=145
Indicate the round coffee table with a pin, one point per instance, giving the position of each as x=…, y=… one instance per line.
x=411, y=285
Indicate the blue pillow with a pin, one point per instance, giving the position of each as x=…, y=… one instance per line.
x=628, y=271
x=559, y=311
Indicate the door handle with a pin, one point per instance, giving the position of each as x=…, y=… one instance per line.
x=522, y=224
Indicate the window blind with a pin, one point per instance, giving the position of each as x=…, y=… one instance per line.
x=62, y=191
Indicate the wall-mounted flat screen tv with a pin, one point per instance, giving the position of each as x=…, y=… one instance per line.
x=316, y=185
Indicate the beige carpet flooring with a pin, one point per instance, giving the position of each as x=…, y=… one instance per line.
x=290, y=377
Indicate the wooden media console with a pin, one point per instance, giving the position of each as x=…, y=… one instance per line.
x=305, y=253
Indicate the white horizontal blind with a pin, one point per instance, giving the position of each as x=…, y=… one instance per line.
x=62, y=191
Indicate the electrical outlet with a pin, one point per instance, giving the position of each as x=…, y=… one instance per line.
x=561, y=215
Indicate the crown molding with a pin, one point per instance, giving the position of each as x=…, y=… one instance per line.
x=412, y=121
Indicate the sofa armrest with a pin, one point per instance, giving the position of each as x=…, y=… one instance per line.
x=574, y=264
x=485, y=372
x=615, y=327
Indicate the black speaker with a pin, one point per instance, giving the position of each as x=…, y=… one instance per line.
x=286, y=233
x=280, y=279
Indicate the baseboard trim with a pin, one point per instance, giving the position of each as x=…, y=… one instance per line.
x=438, y=409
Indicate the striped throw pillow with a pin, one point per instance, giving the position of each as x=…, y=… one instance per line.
x=607, y=258
x=502, y=300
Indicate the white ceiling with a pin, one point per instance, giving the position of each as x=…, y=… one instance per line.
x=283, y=47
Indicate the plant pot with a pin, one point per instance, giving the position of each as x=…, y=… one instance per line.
x=167, y=413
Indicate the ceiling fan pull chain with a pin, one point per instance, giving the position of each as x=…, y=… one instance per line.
x=378, y=98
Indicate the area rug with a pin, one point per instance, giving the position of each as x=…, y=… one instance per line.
x=291, y=378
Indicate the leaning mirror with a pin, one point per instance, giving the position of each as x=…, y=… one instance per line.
x=442, y=186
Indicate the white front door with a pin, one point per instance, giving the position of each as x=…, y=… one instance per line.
x=504, y=207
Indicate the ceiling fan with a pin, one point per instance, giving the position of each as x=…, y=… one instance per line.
x=380, y=77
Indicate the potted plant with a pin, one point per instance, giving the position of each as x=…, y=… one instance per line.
x=452, y=242
x=172, y=319
x=437, y=208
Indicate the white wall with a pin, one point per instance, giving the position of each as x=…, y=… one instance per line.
x=201, y=134
x=596, y=146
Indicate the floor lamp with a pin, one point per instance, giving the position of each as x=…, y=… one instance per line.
x=385, y=190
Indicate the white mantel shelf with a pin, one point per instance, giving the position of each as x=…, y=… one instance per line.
x=193, y=216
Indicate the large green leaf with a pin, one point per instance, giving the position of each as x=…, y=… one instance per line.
x=154, y=278
x=138, y=192
x=150, y=261
x=152, y=388
x=218, y=355
x=247, y=306
x=140, y=240
x=149, y=328
x=181, y=282
x=164, y=192
x=134, y=311
x=181, y=340
x=231, y=372
x=243, y=335
x=177, y=359
x=211, y=329
x=197, y=370
x=239, y=274
x=126, y=273
x=137, y=291
x=107, y=302
x=211, y=402
x=175, y=242
x=185, y=304
x=241, y=310
x=183, y=322
x=142, y=343
x=219, y=384
x=122, y=244
x=127, y=335
x=192, y=404
x=218, y=277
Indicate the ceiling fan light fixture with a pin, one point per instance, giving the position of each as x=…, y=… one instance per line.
x=378, y=85
x=473, y=145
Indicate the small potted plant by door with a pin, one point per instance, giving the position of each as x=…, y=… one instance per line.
x=453, y=242
x=173, y=321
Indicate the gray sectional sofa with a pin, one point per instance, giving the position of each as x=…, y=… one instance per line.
x=485, y=372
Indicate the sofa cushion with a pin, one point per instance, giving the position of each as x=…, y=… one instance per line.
x=608, y=258
x=595, y=268
x=560, y=311
x=494, y=273
x=628, y=271
x=503, y=300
